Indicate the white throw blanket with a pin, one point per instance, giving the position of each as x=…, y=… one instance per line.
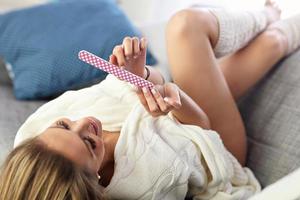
x=156, y=158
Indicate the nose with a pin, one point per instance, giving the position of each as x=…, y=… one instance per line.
x=83, y=127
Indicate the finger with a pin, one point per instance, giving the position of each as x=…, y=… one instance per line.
x=110, y=59
x=118, y=52
x=128, y=47
x=113, y=60
x=142, y=98
x=153, y=107
x=143, y=46
x=175, y=104
x=163, y=106
x=173, y=94
x=143, y=43
x=136, y=47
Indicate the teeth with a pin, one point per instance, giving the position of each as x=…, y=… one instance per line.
x=94, y=126
x=95, y=130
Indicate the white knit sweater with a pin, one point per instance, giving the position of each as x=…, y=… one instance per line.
x=156, y=158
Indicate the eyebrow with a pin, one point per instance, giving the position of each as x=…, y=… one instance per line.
x=86, y=145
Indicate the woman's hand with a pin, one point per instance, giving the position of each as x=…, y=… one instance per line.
x=131, y=55
x=161, y=99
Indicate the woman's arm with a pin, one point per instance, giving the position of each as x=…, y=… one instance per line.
x=164, y=97
x=170, y=98
x=190, y=112
x=155, y=76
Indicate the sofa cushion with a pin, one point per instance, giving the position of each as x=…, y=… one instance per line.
x=271, y=111
x=13, y=113
x=42, y=44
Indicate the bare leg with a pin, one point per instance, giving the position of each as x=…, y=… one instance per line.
x=246, y=67
x=191, y=34
x=191, y=37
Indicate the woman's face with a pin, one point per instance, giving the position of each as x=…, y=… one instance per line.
x=80, y=141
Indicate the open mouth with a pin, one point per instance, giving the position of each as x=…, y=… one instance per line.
x=95, y=125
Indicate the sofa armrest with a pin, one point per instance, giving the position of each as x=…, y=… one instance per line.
x=286, y=188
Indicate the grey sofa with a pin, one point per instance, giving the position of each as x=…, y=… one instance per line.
x=12, y=112
x=271, y=112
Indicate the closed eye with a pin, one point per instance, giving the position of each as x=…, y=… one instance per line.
x=91, y=142
x=63, y=124
x=90, y=145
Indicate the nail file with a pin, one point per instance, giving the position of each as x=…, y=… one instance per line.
x=113, y=69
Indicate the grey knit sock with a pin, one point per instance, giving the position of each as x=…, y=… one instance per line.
x=291, y=28
x=236, y=29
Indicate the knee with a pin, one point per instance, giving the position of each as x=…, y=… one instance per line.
x=273, y=40
x=191, y=22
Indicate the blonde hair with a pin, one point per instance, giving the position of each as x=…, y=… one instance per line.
x=31, y=171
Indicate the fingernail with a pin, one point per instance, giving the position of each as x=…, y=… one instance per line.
x=166, y=99
x=145, y=90
x=153, y=91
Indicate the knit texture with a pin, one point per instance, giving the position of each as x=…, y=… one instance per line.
x=291, y=28
x=236, y=29
x=155, y=158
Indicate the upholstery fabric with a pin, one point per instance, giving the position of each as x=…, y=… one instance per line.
x=271, y=112
x=12, y=114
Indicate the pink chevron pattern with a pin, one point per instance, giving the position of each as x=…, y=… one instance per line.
x=113, y=69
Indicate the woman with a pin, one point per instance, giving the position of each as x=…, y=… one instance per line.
x=171, y=153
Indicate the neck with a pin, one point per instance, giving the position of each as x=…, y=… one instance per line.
x=110, y=141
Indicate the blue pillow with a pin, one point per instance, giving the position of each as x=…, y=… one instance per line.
x=42, y=43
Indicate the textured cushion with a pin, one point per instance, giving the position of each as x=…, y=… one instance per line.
x=271, y=112
x=42, y=43
x=12, y=114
